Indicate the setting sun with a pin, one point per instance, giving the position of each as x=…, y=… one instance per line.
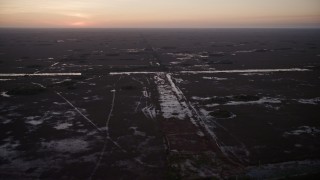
x=78, y=23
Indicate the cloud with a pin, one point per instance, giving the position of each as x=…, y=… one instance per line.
x=78, y=15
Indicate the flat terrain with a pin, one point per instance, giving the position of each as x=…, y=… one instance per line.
x=159, y=104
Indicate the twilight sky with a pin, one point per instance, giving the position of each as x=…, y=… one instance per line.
x=160, y=13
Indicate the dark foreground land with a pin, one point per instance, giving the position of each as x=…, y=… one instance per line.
x=159, y=104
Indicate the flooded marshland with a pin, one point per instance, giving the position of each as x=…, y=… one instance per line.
x=159, y=104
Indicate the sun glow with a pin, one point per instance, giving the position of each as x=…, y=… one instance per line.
x=78, y=23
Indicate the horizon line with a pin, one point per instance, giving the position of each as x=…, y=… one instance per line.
x=160, y=27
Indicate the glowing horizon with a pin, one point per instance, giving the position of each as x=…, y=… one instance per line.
x=159, y=14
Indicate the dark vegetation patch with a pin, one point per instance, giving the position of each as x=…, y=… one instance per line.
x=223, y=44
x=128, y=87
x=283, y=49
x=185, y=64
x=112, y=54
x=82, y=61
x=301, y=50
x=178, y=170
x=246, y=98
x=148, y=49
x=78, y=50
x=217, y=54
x=34, y=66
x=71, y=87
x=69, y=84
x=230, y=45
x=221, y=62
x=25, y=57
x=244, y=43
x=127, y=59
x=82, y=77
x=26, y=89
x=220, y=113
x=30, y=170
x=44, y=44
x=312, y=176
x=168, y=47
x=85, y=55
x=311, y=44
x=219, y=100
